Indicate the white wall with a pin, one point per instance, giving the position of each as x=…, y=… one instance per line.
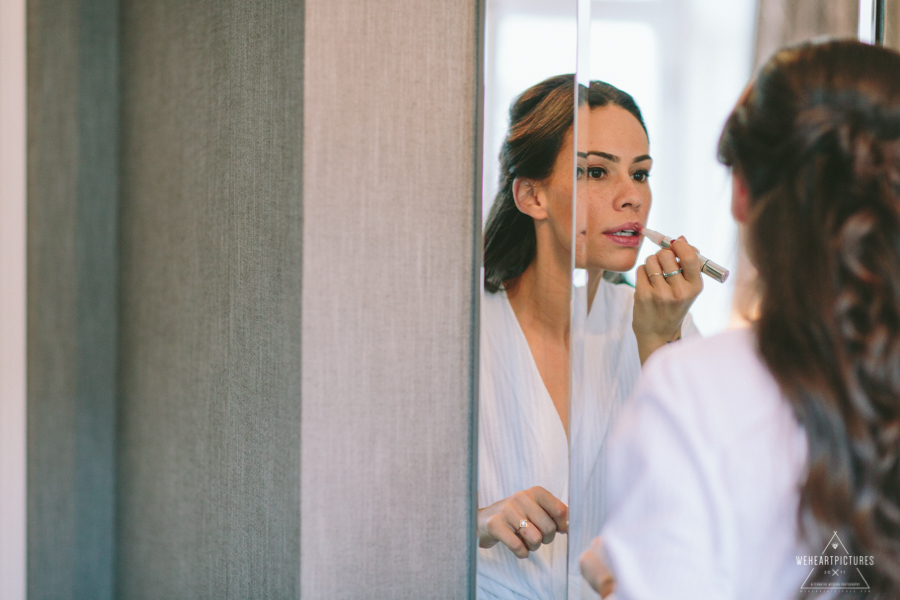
x=686, y=63
x=12, y=299
x=526, y=41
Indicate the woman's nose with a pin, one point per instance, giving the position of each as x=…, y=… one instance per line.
x=628, y=195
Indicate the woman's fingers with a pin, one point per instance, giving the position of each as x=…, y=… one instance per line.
x=681, y=260
x=673, y=273
x=553, y=507
x=523, y=521
x=655, y=273
x=506, y=534
x=539, y=527
x=595, y=569
x=499, y=522
x=687, y=256
x=641, y=280
x=660, y=307
x=545, y=511
x=528, y=529
x=669, y=265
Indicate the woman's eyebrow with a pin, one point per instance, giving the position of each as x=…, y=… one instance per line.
x=612, y=157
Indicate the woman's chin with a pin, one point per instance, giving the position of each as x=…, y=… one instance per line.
x=619, y=266
x=620, y=262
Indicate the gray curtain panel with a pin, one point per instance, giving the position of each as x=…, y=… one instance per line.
x=783, y=22
x=73, y=186
x=211, y=269
x=892, y=24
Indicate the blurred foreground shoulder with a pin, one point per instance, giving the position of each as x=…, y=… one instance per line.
x=716, y=383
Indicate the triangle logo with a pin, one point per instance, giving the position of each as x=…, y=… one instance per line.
x=835, y=569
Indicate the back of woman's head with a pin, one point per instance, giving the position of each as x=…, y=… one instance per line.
x=538, y=122
x=817, y=141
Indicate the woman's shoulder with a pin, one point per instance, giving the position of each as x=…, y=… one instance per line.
x=492, y=305
x=719, y=384
x=499, y=327
x=720, y=362
x=733, y=349
x=708, y=432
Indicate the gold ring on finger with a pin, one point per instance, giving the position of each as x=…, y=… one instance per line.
x=522, y=525
x=667, y=275
x=652, y=274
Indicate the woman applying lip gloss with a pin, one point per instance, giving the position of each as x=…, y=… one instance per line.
x=526, y=327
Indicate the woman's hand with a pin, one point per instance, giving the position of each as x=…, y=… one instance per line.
x=595, y=570
x=543, y=513
x=661, y=302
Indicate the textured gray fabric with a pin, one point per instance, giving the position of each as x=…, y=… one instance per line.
x=72, y=195
x=210, y=299
x=210, y=260
x=788, y=21
x=388, y=285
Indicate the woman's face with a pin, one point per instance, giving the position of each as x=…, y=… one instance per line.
x=613, y=193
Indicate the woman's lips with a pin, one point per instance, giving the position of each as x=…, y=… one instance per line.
x=629, y=234
x=629, y=241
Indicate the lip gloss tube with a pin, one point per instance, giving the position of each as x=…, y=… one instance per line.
x=716, y=271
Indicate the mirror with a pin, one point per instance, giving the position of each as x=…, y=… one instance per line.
x=558, y=353
x=684, y=64
x=524, y=370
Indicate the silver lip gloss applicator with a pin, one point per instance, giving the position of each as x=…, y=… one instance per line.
x=717, y=272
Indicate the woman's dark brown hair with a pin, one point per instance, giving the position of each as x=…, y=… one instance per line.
x=538, y=122
x=817, y=140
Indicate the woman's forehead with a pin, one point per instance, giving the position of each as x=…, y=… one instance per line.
x=611, y=130
x=604, y=132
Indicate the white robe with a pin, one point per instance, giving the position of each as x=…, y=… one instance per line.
x=522, y=443
x=704, y=472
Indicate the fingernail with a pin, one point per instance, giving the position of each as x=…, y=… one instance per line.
x=681, y=237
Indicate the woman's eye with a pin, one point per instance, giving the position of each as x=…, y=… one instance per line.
x=596, y=172
x=641, y=176
x=579, y=172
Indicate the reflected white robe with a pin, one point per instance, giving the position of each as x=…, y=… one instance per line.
x=522, y=443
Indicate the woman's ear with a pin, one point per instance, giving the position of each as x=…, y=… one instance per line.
x=740, y=198
x=528, y=199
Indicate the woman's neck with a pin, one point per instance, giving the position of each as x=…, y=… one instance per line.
x=593, y=284
x=540, y=297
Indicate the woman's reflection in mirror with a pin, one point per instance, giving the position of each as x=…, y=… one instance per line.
x=527, y=328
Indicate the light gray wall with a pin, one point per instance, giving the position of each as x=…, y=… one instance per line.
x=72, y=208
x=209, y=425
x=389, y=276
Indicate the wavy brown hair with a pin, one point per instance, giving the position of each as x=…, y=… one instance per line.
x=817, y=140
x=538, y=122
